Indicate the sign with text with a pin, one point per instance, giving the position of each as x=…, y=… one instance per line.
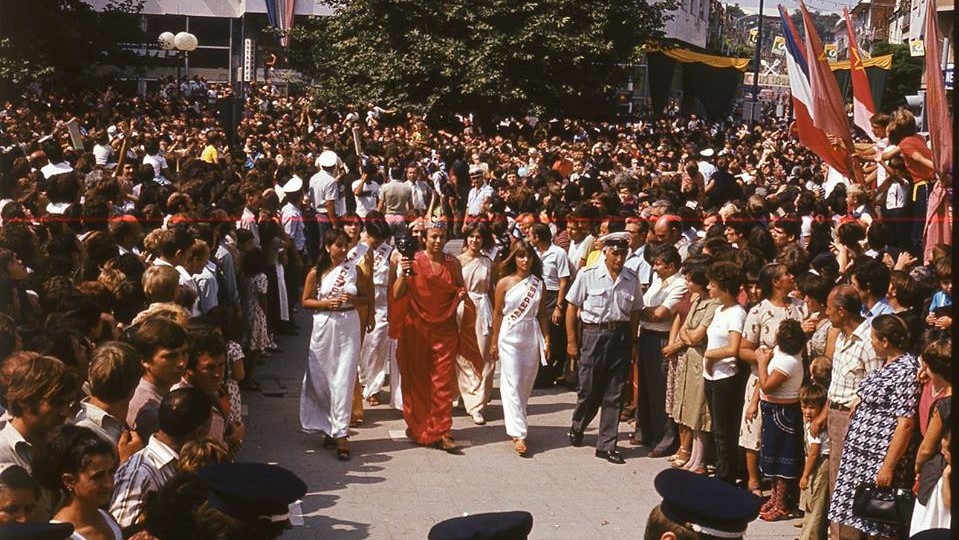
x=767, y=79
x=249, y=60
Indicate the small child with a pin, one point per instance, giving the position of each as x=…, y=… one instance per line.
x=781, y=454
x=820, y=371
x=814, y=482
x=940, y=309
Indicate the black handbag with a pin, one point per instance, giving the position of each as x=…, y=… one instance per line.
x=885, y=505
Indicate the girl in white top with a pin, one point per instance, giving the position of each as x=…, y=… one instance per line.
x=724, y=384
x=79, y=466
x=519, y=336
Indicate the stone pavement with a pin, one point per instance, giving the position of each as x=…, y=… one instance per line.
x=393, y=489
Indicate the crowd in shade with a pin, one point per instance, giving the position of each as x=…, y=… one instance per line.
x=710, y=291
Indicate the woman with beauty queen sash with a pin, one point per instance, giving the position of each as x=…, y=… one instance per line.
x=519, y=327
x=422, y=315
x=327, y=396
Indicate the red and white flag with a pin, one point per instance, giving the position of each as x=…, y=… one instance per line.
x=863, y=107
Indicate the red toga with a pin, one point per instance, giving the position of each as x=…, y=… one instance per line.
x=428, y=339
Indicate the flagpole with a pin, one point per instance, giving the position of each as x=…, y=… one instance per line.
x=756, y=64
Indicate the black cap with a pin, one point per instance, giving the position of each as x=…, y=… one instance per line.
x=36, y=531
x=706, y=505
x=251, y=491
x=931, y=534
x=490, y=526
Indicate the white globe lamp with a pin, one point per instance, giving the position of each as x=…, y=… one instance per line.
x=166, y=40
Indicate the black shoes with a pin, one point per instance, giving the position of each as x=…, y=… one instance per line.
x=575, y=438
x=611, y=456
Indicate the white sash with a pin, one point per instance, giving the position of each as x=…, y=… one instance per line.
x=526, y=303
x=339, y=282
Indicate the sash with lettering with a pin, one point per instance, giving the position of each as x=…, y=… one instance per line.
x=379, y=254
x=522, y=309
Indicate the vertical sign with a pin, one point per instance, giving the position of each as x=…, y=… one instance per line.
x=249, y=62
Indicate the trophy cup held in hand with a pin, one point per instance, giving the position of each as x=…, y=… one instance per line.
x=407, y=246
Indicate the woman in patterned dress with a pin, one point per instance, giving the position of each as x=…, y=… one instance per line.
x=880, y=445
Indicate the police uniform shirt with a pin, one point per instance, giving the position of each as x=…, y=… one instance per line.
x=555, y=266
x=601, y=300
x=323, y=188
x=636, y=261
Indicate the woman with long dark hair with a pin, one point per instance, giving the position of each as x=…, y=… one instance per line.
x=475, y=389
x=520, y=335
x=327, y=395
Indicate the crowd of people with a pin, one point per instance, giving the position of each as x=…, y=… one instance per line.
x=742, y=309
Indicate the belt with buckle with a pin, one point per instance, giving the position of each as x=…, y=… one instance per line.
x=839, y=407
x=609, y=326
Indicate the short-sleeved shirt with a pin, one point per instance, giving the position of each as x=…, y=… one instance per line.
x=578, y=251
x=636, y=261
x=144, y=409
x=852, y=360
x=476, y=198
x=601, y=300
x=907, y=147
x=763, y=320
x=555, y=266
x=725, y=320
x=668, y=293
x=324, y=188
x=397, y=197
x=822, y=439
x=367, y=200
x=790, y=366
x=209, y=154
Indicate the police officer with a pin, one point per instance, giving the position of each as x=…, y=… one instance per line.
x=36, y=531
x=606, y=298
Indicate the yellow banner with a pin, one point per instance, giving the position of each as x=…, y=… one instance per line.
x=687, y=56
x=881, y=62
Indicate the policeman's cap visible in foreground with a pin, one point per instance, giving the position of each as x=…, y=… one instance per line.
x=931, y=534
x=617, y=241
x=491, y=526
x=705, y=505
x=36, y=531
x=252, y=491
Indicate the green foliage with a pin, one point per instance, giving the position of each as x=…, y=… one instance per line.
x=497, y=56
x=825, y=23
x=62, y=42
x=905, y=76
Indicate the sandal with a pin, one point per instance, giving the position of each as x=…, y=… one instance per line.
x=678, y=460
x=447, y=445
x=775, y=514
x=373, y=401
x=343, y=453
x=519, y=445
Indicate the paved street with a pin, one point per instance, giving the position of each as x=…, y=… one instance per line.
x=393, y=489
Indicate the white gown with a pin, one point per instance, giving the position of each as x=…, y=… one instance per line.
x=327, y=395
x=476, y=388
x=521, y=347
x=375, y=351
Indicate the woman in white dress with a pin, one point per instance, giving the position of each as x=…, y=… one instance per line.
x=476, y=388
x=375, y=351
x=519, y=327
x=79, y=466
x=327, y=395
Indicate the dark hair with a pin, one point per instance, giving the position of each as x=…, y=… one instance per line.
x=851, y=233
x=323, y=261
x=183, y=411
x=847, y=298
x=204, y=340
x=892, y=328
x=169, y=511
x=541, y=232
x=727, y=276
x=665, y=253
x=253, y=262
x=937, y=356
x=68, y=449
x=767, y=274
x=906, y=288
x=872, y=275
x=816, y=287
x=16, y=477
x=694, y=268
x=508, y=266
x=790, y=337
x=376, y=226
x=813, y=395
x=484, y=232
x=158, y=332
x=789, y=224
x=41, y=378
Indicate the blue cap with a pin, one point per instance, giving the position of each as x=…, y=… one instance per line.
x=706, y=505
x=36, y=531
x=252, y=491
x=490, y=526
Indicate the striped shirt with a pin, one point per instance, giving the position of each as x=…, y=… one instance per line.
x=852, y=360
x=146, y=471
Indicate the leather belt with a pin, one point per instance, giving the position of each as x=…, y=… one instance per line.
x=609, y=326
x=839, y=407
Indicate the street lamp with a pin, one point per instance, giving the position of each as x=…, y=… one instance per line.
x=182, y=43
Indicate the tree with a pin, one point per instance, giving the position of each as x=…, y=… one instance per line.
x=494, y=57
x=825, y=23
x=63, y=42
x=905, y=76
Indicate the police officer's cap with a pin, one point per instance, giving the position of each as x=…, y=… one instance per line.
x=706, y=505
x=252, y=491
x=931, y=534
x=618, y=241
x=491, y=526
x=36, y=531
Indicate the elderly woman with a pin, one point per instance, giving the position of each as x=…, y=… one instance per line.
x=879, y=447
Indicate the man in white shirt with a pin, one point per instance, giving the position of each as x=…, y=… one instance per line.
x=367, y=191
x=638, y=229
x=705, y=167
x=325, y=194
x=478, y=194
x=556, y=280
x=654, y=428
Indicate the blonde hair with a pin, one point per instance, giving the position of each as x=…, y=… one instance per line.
x=167, y=310
x=160, y=282
x=197, y=454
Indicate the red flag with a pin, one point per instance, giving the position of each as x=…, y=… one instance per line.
x=937, y=108
x=828, y=113
x=863, y=107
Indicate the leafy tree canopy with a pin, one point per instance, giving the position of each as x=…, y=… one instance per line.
x=905, y=76
x=62, y=42
x=825, y=23
x=492, y=57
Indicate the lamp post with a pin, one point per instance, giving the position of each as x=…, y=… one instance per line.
x=182, y=43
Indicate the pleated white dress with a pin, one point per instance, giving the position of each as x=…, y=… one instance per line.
x=475, y=388
x=521, y=348
x=327, y=395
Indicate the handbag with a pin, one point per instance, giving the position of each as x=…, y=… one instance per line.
x=885, y=505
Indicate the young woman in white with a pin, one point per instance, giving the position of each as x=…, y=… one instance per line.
x=519, y=327
x=476, y=388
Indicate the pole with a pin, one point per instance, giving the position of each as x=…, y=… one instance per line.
x=756, y=64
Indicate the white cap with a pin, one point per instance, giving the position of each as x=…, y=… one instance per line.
x=294, y=184
x=327, y=159
x=707, y=152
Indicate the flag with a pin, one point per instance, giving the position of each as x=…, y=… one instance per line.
x=939, y=213
x=863, y=107
x=779, y=45
x=809, y=135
